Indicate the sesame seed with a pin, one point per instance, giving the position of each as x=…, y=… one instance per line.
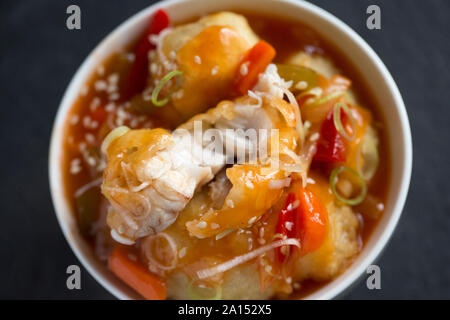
x=101, y=165
x=95, y=103
x=113, y=78
x=86, y=121
x=153, y=67
x=289, y=225
x=153, y=39
x=110, y=107
x=75, y=166
x=301, y=85
x=244, y=69
x=100, y=85
x=314, y=137
x=307, y=125
x=182, y=252
x=215, y=70
x=215, y=226
x=197, y=60
x=74, y=119
x=90, y=161
x=230, y=203
x=114, y=96
x=202, y=225
x=178, y=94
x=134, y=123
x=252, y=220
x=82, y=146
x=90, y=138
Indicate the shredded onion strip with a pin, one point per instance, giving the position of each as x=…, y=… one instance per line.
x=230, y=264
x=121, y=239
x=298, y=116
x=279, y=183
x=140, y=187
x=256, y=97
x=338, y=121
x=86, y=187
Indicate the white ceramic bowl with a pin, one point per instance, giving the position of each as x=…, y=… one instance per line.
x=377, y=78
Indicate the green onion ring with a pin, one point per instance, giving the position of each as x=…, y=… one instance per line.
x=195, y=296
x=338, y=123
x=334, y=179
x=160, y=85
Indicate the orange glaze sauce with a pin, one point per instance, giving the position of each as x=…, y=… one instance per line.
x=95, y=113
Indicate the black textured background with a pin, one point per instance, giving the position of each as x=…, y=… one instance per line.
x=39, y=55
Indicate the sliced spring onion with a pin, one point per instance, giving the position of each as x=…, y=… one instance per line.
x=334, y=177
x=367, y=158
x=203, y=292
x=147, y=245
x=338, y=123
x=113, y=135
x=160, y=85
x=329, y=97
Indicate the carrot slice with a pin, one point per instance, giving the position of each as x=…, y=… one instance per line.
x=312, y=221
x=255, y=62
x=136, y=275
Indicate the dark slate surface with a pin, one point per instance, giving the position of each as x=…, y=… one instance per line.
x=38, y=56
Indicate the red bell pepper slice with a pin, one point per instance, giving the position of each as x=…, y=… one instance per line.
x=305, y=220
x=331, y=147
x=139, y=69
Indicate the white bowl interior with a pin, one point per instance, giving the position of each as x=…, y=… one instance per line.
x=376, y=76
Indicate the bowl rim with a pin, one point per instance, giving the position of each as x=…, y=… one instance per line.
x=61, y=205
